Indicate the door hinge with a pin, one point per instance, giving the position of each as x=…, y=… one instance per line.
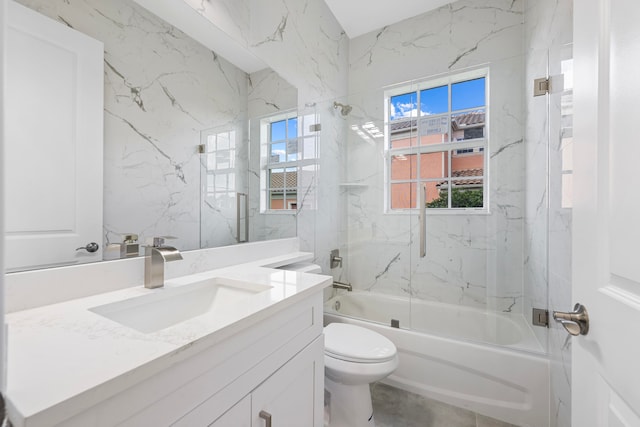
x=541, y=86
x=201, y=148
x=315, y=128
x=540, y=317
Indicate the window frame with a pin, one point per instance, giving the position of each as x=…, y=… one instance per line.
x=448, y=147
x=266, y=166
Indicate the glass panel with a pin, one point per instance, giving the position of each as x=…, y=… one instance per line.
x=403, y=134
x=437, y=194
x=468, y=125
x=467, y=162
x=276, y=200
x=434, y=101
x=292, y=130
x=403, y=106
x=434, y=165
x=306, y=184
x=276, y=179
x=309, y=148
x=467, y=193
x=468, y=94
x=293, y=153
x=278, y=153
x=434, y=130
x=403, y=195
x=278, y=131
x=223, y=160
x=291, y=178
x=403, y=167
x=223, y=142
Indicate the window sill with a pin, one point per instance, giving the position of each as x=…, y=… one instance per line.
x=439, y=212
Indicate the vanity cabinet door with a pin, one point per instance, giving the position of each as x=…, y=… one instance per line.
x=293, y=395
x=238, y=416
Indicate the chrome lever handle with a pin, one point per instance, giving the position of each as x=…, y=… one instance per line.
x=266, y=417
x=91, y=247
x=576, y=322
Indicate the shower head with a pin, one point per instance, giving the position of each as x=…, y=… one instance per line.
x=344, y=109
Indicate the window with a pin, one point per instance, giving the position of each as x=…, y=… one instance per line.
x=220, y=167
x=436, y=138
x=288, y=162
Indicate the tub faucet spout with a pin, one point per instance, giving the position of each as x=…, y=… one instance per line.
x=341, y=285
x=154, y=260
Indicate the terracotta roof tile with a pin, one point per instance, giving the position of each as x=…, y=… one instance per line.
x=277, y=180
x=459, y=121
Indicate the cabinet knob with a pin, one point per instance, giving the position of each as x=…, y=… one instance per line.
x=266, y=417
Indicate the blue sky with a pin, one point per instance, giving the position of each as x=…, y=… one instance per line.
x=278, y=129
x=467, y=94
x=279, y=132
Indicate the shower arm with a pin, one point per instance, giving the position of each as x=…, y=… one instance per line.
x=422, y=218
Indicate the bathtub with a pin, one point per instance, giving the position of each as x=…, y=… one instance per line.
x=490, y=363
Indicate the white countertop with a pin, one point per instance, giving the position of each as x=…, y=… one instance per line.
x=63, y=358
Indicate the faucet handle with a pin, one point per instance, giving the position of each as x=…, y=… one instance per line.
x=159, y=241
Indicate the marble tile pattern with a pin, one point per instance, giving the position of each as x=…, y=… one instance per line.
x=161, y=90
x=301, y=41
x=548, y=37
x=474, y=259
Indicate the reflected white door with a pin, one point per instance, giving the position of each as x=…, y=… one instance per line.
x=54, y=132
x=606, y=267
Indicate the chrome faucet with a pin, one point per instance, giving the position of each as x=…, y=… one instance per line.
x=155, y=257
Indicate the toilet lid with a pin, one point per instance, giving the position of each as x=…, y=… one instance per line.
x=357, y=344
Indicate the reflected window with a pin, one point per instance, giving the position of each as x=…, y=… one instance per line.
x=220, y=168
x=288, y=162
x=436, y=141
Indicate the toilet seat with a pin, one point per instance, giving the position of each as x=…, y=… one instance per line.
x=352, y=343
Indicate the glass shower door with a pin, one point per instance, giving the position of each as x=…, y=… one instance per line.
x=377, y=192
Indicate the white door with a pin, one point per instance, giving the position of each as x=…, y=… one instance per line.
x=53, y=162
x=606, y=259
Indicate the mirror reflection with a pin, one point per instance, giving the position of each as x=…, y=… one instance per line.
x=181, y=142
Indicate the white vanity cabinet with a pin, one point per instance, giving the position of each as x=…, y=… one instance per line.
x=287, y=398
x=275, y=364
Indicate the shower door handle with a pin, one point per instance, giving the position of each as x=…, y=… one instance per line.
x=240, y=196
x=422, y=218
x=576, y=322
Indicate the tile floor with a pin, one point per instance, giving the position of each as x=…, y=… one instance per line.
x=393, y=407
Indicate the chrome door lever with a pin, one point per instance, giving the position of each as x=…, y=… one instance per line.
x=576, y=322
x=91, y=247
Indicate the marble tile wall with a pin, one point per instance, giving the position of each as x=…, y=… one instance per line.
x=547, y=276
x=301, y=41
x=161, y=90
x=472, y=259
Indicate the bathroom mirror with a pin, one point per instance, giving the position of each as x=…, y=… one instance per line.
x=177, y=147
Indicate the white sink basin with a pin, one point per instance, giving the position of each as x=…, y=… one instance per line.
x=168, y=306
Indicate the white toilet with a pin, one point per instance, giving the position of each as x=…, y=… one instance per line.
x=353, y=358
